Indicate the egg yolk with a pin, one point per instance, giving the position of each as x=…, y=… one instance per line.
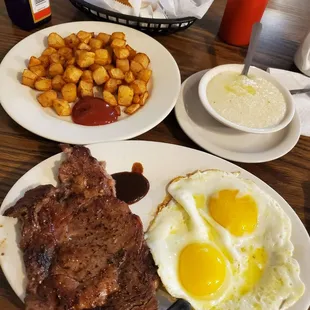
x=237, y=214
x=255, y=269
x=202, y=269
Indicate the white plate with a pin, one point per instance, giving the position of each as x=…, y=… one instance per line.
x=161, y=162
x=227, y=142
x=20, y=101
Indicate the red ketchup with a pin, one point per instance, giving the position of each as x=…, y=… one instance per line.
x=91, y=111
x=238, y=19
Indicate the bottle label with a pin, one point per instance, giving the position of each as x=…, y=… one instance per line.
x=40, y=9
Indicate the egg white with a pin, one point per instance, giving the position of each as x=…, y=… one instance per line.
x=181, y=223
x=167, y=238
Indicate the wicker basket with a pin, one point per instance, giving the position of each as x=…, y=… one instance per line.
x=149, y=25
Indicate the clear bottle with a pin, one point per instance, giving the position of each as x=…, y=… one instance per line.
x=29, y=14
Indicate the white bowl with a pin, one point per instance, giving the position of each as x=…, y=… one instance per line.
x=209, y=75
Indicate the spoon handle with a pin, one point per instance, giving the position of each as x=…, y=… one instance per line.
x=256, y=30
x=300, y=91
x=180, y=304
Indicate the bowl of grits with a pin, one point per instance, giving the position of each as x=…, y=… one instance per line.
x=255, y=103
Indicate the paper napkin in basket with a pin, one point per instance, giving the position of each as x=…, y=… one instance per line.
x=293, y=80
x=185, y=8
x=156, y=8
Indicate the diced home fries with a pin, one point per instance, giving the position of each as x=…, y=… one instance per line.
x=69, y=68
x=46, y=99
x=62, y=107
x=85, y=89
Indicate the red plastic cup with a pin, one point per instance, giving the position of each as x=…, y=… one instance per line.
x=238, y=19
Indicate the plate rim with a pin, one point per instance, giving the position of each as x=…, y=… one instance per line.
x=133, y=143
x=217, y=151
x=124, y=135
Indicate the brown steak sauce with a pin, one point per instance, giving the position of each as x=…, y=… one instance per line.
x=131, y=186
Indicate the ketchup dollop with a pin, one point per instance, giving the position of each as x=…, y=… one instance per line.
x=91, y=111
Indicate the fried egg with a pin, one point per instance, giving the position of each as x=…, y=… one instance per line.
x=223, y=243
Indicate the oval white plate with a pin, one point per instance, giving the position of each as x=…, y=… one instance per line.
x=119, y=157
x=20, y=101
x=227, y=142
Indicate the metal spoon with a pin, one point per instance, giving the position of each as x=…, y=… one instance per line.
x=300, y=91
x=256, y=31
x=180, y=304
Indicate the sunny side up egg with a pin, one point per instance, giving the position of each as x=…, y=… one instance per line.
x=223, y=243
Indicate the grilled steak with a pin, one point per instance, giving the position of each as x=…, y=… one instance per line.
x=83, y=174
x=83, y=248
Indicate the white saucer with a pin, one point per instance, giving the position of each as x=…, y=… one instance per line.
x=227, y=142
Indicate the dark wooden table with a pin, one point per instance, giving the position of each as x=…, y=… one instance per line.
x=285, y=24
